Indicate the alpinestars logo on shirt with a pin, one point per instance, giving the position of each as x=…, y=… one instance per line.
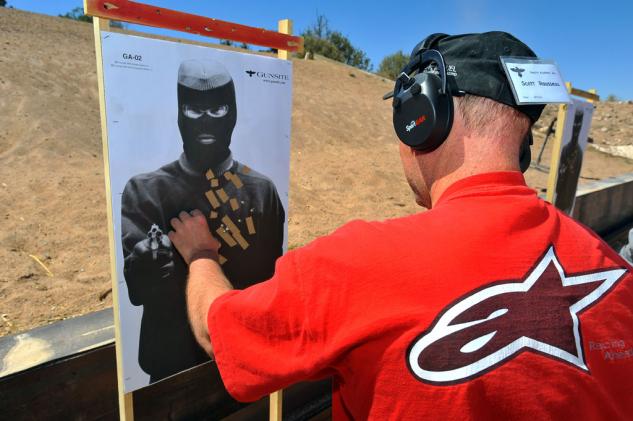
x=491, y=325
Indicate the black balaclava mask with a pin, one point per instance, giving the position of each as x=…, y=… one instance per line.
x=206, y=112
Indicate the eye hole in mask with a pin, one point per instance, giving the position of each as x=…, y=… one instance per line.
x=214, y=112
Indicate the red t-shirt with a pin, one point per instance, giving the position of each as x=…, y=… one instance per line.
x=492, y=305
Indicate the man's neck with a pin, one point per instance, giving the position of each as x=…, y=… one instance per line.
x=439, y=187
x=477, y=156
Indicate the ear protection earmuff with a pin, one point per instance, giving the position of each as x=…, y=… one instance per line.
x=422, y=104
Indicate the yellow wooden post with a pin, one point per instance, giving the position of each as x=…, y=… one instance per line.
x=126, y=405
x=284, y=26
x=276, y=398
x=593, y=91
x=276, y=406
x=556, y=148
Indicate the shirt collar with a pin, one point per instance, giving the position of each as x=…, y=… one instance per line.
x=486, y=182
x=221, y=168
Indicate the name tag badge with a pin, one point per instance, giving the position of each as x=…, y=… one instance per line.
x=535, y=81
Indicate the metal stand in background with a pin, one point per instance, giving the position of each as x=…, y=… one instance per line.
x=537, y=165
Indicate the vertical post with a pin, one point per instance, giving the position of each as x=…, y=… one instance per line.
x=276, y=406
x=284, y=26
x=556, y=149
x=592, y=91
x=126, y=406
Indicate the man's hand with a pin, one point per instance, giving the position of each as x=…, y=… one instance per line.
x=192, y=238
x=206, y=282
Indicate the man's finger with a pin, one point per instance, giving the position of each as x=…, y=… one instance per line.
x=184, y=216
x=217, y=243
x=199, y=218
x=176, y=223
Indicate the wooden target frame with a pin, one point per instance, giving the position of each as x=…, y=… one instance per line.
x=144, y=14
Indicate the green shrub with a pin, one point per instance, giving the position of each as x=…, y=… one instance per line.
x=391, y=65
x=320, y=39
x=77, y=14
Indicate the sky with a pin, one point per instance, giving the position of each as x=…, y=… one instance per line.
x=592, y=42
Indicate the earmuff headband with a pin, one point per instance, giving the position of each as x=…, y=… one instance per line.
x=419, y=62
x=434, y=56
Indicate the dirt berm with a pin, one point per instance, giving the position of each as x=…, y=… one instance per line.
x=344, y=165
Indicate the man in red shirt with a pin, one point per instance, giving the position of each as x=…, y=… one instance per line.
x=491, y=305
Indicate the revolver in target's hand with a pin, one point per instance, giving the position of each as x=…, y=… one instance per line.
x=156, y=240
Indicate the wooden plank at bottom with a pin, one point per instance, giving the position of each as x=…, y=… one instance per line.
x=197, y=393
x=85, y=387
x=81, y=387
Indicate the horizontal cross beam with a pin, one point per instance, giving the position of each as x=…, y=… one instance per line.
x=145, y=14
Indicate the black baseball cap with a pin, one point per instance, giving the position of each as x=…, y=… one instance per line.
x=473, y=65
